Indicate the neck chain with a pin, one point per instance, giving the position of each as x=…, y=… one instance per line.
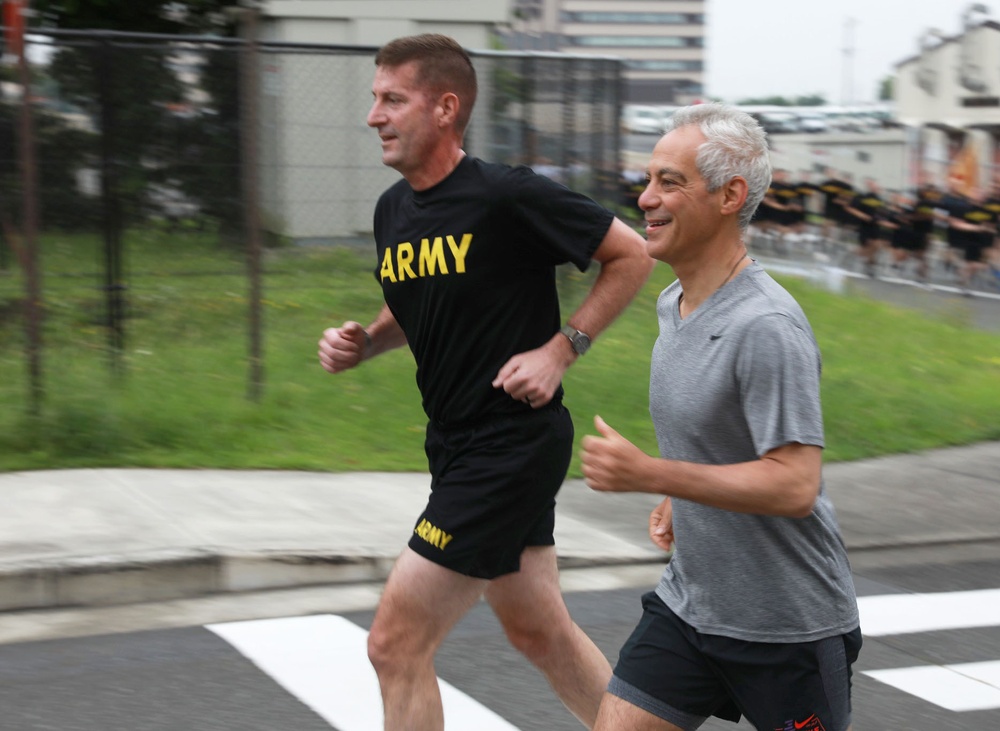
x=724, y=281
x=732, y=271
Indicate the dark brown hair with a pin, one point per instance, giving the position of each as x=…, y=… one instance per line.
x=442, y=66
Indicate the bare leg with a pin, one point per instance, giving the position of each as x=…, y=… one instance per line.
x=619, y=715
x=531, y=609
x=421, y=603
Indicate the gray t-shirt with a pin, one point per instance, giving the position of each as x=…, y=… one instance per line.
x=735, y=379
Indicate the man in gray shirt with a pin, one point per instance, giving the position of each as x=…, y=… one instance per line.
x=756, y=614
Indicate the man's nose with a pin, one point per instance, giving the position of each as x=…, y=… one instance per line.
x=647, y=201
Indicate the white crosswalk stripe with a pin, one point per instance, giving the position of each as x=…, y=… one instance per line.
x=971, y=686
x=897, y=614
x=958, y=687
x=323, y=661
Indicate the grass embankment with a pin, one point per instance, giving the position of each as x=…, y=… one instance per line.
x=893, y=381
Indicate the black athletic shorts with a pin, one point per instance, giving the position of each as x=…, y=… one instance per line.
x=909, y=240
x=683, y=676
x=493, y=489
x=868, y=232
x=973, y=248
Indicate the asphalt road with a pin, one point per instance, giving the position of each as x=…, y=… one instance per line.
x=192, y=677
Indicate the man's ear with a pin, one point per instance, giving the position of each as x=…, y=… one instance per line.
x=447, y=108
x=734, y=195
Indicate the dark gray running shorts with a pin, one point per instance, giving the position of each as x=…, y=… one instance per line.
x=493, y=489
x=683, y=676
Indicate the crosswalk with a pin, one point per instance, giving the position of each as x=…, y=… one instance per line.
x=322, y=660
x=958, y=687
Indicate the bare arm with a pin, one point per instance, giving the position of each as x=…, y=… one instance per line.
x=783, y=482
x=963, y=225
x=344, y=347
x=625, y=267
x=860, y=215
x=771, y=202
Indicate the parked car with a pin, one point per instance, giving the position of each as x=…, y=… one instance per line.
x=813, y=122
x=778, y=122
x=643, y=120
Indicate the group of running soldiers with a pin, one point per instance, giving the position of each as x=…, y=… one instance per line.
x=905, y=223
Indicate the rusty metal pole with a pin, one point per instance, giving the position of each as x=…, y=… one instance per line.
x=33, y=280
x=249, y=136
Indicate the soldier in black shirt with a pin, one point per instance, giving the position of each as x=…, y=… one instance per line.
x=925, y=215
x=467, y=252
x=870, y=214
x=789, y=199
x=992, y=254
x=837, y=192
x=972, y=228
x=776, y=214
x=909, y=238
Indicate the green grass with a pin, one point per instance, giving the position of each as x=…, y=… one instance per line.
x=893, y=381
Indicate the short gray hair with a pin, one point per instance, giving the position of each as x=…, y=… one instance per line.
x=735, y=145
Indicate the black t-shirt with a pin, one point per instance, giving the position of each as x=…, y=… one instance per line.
x=468, y=270
x=835, y=191
x=924, y=215
x=786, y=194
x=872, y=205
x=993, y=206
x=777, y=194
x=964, y=209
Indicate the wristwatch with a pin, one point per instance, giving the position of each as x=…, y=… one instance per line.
x=579, y=340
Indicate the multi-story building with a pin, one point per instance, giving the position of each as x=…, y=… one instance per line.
x=662, y=41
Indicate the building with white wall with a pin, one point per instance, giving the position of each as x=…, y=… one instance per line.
x=880, y=154
x=948, y=95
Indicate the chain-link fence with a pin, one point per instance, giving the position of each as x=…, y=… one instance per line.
x=169, y=172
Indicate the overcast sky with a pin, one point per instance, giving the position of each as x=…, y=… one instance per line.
x=759, y=48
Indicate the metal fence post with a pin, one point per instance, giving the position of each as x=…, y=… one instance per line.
x=114, y=285
x=249, y=119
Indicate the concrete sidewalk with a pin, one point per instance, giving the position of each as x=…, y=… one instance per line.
x=119, y=536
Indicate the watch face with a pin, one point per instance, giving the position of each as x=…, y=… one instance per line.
x=580, y=341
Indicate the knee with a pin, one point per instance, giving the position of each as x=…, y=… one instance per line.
x=380, y=650
x=398, y=648
x=388, y=651
x=536, y=641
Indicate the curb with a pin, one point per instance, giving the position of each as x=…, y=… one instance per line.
x=116, y=580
